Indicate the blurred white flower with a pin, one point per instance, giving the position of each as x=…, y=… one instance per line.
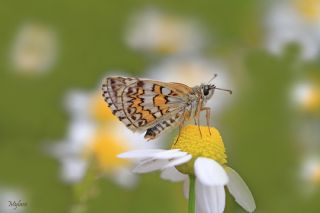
x=12, y=200
x=310, y=173
x=296, y=21
x=95, y=134
x=306, y=96
x=311, y=169
x=34, y=49
x=202, y=158
x=157, y=32
x=194, y=71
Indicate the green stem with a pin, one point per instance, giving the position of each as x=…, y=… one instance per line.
x=192, y=196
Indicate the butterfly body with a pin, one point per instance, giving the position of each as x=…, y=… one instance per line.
x=153, y=106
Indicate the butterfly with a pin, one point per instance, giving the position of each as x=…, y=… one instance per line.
x=153, y=106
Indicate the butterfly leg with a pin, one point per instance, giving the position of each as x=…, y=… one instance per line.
x=186, y=116
x=199, y=126
x=197, y=115
x=208, y=112
x=180, y=127
x=197, y=123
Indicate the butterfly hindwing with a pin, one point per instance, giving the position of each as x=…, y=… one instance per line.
x=112, y=89
x=144, y=104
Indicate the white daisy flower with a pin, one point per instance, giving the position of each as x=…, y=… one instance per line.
x=311, y=169
x=296, y=21
x=193, y=71
x=12, y=200
x=309, y=174
x=200, y=159
x=157, y=32
x=34, y=49
x=94, y=133
x=306, y=96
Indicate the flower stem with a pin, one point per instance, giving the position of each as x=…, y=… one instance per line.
x=192, y=196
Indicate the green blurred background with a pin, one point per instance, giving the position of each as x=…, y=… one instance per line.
x=259, y=128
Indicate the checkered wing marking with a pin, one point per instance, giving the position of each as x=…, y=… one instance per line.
x=179, y=103
x=112, y=90
x=141, y=104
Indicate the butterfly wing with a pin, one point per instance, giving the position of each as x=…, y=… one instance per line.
x=113, y=88
x=141, y=104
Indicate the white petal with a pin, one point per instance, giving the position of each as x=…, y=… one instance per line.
x=178, y=161
x=172, y=153
x=209, y=172
x=124, y=177
x=142, y=153
x=210, y=199
x=198, y=209
x=77, y=103
x=80, y=132
x=173, y=175
x=240, y=191
x=73, y=170
x=150, y=166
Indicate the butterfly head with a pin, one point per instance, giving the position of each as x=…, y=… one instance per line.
x=207, y=90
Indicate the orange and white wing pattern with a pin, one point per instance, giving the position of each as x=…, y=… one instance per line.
x=146, y=105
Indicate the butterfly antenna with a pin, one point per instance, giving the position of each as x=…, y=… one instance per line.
x=227, y=90
x=214, y=76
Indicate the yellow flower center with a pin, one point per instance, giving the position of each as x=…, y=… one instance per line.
x=315, y=178
x=104, y=148
x=310, y=9
x=99, y=109
x=209, y=146
x=170, y=36
x=312, y=101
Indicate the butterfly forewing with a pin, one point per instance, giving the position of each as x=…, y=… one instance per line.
x=145, y=104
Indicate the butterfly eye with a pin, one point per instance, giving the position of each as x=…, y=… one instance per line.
x=206, y=91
